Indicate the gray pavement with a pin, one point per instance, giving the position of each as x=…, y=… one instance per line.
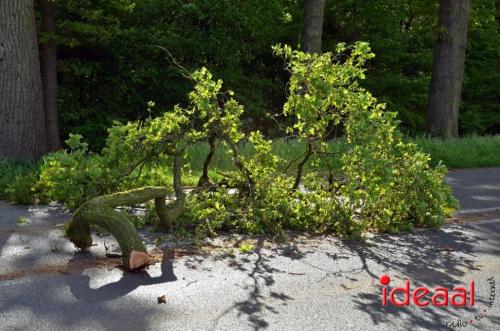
x=476, y=188
x=319, y=283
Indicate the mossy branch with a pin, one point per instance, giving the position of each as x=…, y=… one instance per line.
x=101, y=211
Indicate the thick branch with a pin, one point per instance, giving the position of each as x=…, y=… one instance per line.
x=101, y=211
x=168, y=215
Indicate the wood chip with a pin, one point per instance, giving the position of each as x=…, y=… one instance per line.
x=162, y=299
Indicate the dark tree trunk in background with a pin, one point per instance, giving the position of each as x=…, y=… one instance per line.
x=48, y=56
x=448, y=68
x=22, y=121
x=313, y=25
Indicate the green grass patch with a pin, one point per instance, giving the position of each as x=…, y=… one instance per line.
x=286, y=149
x=467, y=152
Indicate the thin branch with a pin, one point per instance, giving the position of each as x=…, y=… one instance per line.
x=205, y=179
x=184, y=72
x=301, y=165
x=239, y=163
x=293, y=161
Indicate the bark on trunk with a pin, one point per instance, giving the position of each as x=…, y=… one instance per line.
x=448, y=68
x=48, y=56
x=101, y=211
x=313, y=25
x=22, y=120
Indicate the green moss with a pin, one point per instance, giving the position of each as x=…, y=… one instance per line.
x=101, y=212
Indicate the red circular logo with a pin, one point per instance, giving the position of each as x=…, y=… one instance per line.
x=384, y=279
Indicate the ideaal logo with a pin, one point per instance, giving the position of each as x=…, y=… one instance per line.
x=423, y=296
x=458, y=296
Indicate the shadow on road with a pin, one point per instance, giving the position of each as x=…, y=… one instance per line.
x=435, y=257
x=42, y=289
x=431, y=258
x=80, y=284
x=261, y=274
x=49, y=301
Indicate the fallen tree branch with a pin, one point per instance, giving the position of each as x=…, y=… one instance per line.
x=101, y=211
x=169, y=214
x=204, y=180
x=300, y=166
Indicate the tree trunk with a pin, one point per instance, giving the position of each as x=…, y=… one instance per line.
x=448, y=68
x=22, y=120
x=48, y=56
x=313, y=25
x=101, y=211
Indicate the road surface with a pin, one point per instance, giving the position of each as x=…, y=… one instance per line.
x=476, y=188
x=319, y=283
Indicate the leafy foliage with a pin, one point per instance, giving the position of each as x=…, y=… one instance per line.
x=388, y=180
x=385, y=183
x=72, y=176
x=16, y=180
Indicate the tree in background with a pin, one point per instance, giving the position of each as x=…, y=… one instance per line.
x=22, y=120
x=448, y=68
x=109, y=66
x=480, y=109
x=48, y=57
x=314, y=11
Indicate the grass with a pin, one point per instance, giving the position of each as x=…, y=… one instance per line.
x=285, y=149
x=466, y=152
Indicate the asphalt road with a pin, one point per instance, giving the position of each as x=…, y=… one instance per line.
x=476, y=188
x=304, y=284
